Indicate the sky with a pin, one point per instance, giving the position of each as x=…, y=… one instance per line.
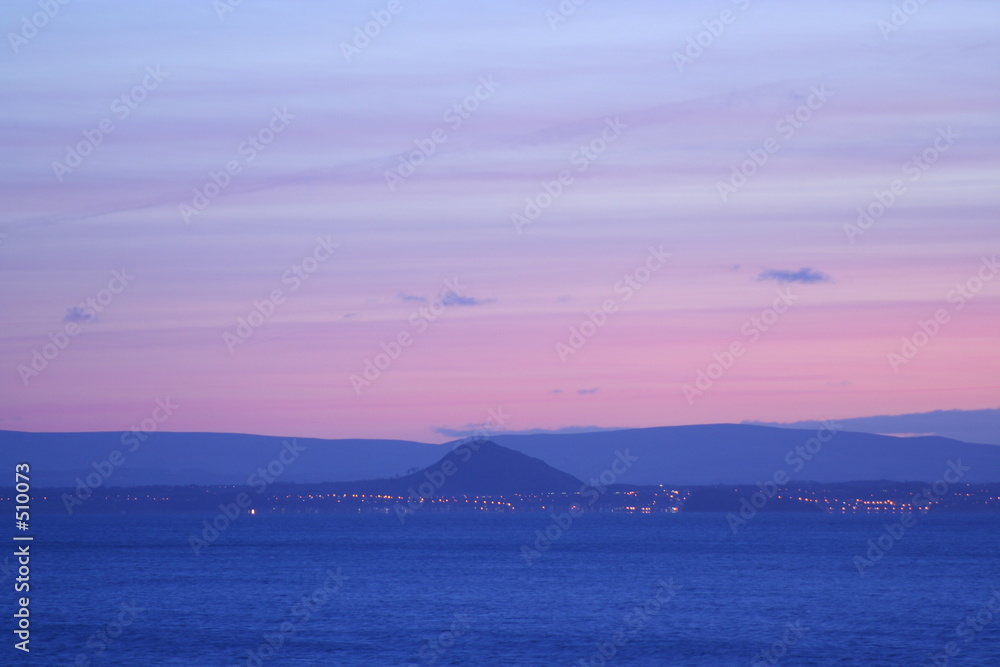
x=519, y=214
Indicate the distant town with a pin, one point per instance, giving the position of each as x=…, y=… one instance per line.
x=843, y=498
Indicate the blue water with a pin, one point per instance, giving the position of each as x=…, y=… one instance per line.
x=462, y=581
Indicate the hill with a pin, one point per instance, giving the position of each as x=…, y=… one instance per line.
x=476, y=468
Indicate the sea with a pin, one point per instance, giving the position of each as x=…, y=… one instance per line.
x=530, y=589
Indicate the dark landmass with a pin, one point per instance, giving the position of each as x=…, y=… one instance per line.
x=483, y=476
x=145, y=456
x=477, y=468
x=721, y=454
x=705, y=455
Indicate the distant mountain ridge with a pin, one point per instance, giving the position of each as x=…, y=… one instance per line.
x=981, y=426
x=206, y=458
x=690, y=455
x=741, y=453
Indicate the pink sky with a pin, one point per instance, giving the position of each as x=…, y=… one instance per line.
x=654, y=184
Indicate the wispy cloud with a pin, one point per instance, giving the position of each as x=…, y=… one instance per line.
x=411, y=298
x=565, y=430
x=803, y=275
x=78, y=314
x=583, y=392
x=465, y=431
x=470, y=429
x=452, y=299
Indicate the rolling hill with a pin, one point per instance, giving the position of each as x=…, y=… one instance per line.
x=693, y=455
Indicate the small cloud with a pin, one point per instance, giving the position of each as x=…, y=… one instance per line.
x=734, y=267
x=467, y=430
x=78, y=314
x=565, y=430
x=583, y=392
x=453, y=299
x=410, y=298
x=564, y=299
x=556, y=391
x=803, y=275
x=348, y=316
x=472, y=429
x=451, y=432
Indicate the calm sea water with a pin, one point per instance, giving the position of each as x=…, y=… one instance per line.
x=456, y=590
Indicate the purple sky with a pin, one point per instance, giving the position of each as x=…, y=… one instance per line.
x=665, y=125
